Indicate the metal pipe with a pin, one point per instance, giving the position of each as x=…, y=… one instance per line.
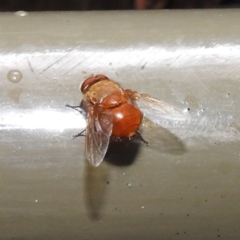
x=185, y=184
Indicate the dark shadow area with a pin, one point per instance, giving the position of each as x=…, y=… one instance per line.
x=123, y=152
x=96, y=181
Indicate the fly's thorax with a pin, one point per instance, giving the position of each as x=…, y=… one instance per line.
x=100, y=90
x=113, y=100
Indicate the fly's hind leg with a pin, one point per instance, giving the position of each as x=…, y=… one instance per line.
x=139, y=136
x=81, y=134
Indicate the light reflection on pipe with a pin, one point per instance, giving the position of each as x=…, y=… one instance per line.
x=178, y=56
x=48, y=119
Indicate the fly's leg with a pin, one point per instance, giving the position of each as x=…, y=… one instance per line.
x=139, y=135
x=81, y=134
x=77, y=108
x=136, y=136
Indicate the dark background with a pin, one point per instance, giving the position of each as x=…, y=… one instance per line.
x=76, y=5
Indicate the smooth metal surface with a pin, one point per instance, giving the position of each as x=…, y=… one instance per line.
x=185, y=185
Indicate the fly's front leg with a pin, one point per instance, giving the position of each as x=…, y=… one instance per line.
x=77, y=108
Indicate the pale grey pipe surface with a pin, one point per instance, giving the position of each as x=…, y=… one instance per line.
x=185, y=185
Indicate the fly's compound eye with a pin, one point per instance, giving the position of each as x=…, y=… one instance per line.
x=86, y=84
x=101, y=77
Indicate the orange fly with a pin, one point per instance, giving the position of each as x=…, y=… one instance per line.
x=115, y=111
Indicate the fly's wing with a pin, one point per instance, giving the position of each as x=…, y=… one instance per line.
x=155, y=110
x=98, y=132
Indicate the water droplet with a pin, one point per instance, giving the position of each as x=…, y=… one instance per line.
x=14, y=76
x=21, y=13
